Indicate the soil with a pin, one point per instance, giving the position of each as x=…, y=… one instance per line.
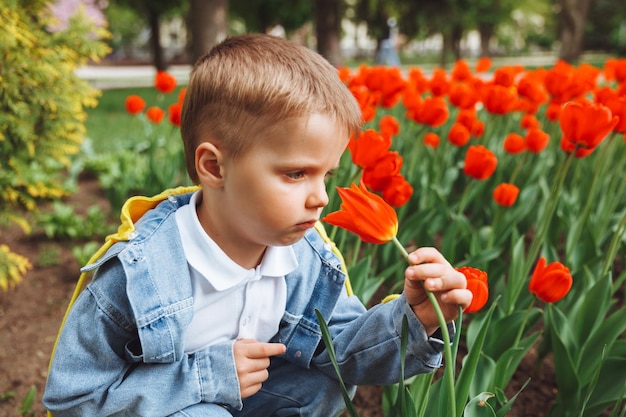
x=31, y=313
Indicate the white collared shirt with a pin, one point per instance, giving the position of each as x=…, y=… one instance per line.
x=231, y=302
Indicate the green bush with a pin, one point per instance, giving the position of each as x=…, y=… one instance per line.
x=42, y=108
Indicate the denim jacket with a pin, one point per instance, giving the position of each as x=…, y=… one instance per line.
x=121, y=350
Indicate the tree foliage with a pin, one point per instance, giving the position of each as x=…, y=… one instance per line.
x=41, y=110
x=260, y=15
x=606, y=28
x=151, y=12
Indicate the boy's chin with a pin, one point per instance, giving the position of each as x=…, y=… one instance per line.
x=290, y=239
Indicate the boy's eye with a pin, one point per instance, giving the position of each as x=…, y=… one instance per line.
x=330, y=174
x=295, y=175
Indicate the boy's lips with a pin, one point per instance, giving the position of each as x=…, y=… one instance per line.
x=308, y=224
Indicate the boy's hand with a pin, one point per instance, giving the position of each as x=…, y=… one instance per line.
x=251, y=360
x=432, y=271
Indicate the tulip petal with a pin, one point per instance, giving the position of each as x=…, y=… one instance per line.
x=366, y=214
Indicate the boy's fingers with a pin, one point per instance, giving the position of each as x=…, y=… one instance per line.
x=426, y=254
x=450, y=281
x=427, y=270
x=264, y=350
x=460, y=297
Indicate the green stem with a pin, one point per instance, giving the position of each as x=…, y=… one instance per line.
x=520, y=331
x=449, y=370
x=356, y=175
x=518, y=168
x=413, y=157
x=357, y=252
x=614, y=245
x=542, y=227
x=463, y=199
x=600, y=165
x=496, y=220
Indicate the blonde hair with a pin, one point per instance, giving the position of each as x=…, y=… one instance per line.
x=249, y=83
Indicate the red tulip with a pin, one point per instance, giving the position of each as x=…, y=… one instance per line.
x=531, y=87
x=181, y=95
x=174, y=113
x=514, y=143
x=483, y=64
x=155, y=114
x=499, y=99
x=134, y=104
x=536, y=140
x=584, y=125
x=467, y=117
x=366, y=214
x=477, y=284
x=389, y=125
x=432, y=139
x=368, y=148
x=458, y=135
x=463, y=96
x=550, y=283
x=553, y=112
x=505, y=76
x=433, y=111
x=398, y=191
x=439, y=84
x=164, y=82
x=377, y=176
x=478, y=128
x=505, y=194
x=461, y=71
x=529, y=121
x=480, y=162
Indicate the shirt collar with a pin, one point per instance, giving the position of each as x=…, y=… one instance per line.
x=206, y=257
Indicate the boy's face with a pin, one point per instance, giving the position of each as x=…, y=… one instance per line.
x=275, y=191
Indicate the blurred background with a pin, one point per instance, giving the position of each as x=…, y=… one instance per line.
x=169, y=32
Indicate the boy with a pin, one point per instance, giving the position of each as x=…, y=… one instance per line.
x=208, y=309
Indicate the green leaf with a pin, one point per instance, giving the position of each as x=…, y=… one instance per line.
x=483, y=256
x=561, y=325
x=566, y=376
x=420, y=389
x=510, y=359
x=483, y=378
x=479, y=407
x=504, y=410
x=328, y=342
x=434, y=395
x=29, y=400
x=507, y=328
x=401, y=401
x=516, y=279
x=605, y=335
x=359, y=274
x=596, y=303
x=464, y=380
x=611, y=383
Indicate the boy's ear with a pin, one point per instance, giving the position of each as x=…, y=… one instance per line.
x=209, y=164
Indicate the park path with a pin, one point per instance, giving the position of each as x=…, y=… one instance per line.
x=123, y=76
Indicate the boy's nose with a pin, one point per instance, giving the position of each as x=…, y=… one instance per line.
x=318, y=197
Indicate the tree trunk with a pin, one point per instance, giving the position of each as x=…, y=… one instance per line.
x=486, y=32
x=158, y=59
x=445, y=48
x=327, y=30
x=573, y=18
x=208, y=25
x=452, y=36
x=457, y=36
